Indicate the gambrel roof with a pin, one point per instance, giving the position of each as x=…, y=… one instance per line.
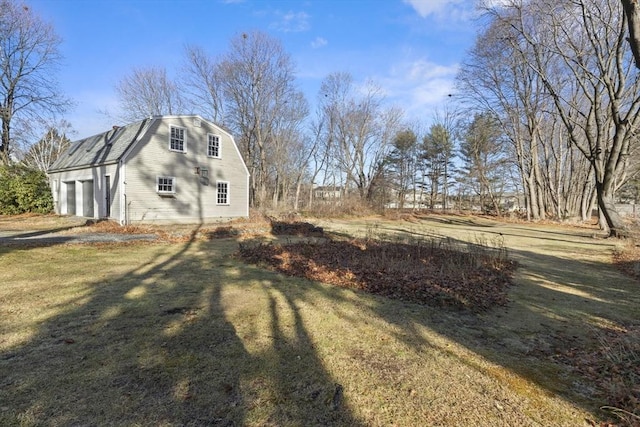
x=103, y=148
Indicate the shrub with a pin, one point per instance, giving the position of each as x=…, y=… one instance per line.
x=347, y=206
x=24, y=190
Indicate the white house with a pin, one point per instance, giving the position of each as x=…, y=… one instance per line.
x=172, y=169
x=327, y=193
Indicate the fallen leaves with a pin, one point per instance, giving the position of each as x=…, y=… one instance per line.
x=423, y=273
x=295, y=228
x=613, y=368
x=627, y=259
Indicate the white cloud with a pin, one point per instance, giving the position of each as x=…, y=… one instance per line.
x=497, y=3
x=318, y=42
x=430, y=7
x=291, y=22
x=419, y=86
x=450, y=11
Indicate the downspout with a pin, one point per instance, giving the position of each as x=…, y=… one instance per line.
x=248, y=175
x=123, y=193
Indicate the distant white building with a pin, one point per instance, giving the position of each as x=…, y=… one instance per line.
x=327, y=193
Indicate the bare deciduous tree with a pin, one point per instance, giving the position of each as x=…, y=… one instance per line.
x=591, y=52
x=257, y=77
x=494, y=79
x=286, y=154
x=359, y=131
x=200, y=78
x=29, y=59
x=632, y=13
x=43, y=153
x=148, y=92
x=575, y=52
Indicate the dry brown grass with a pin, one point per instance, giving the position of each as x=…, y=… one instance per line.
x=627, y=258
x=343, y=208
x=38, y=222
x=182, y=333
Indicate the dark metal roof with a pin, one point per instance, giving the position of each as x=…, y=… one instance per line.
x=104, y=148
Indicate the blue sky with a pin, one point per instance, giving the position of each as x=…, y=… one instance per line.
x=411, y=48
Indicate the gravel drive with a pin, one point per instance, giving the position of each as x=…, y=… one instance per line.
x=46, y=237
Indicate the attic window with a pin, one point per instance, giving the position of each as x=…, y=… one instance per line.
x=196, y=123
x=213, y=146
x=178, y=139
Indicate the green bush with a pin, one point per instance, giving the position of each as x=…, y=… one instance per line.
x=23, y=189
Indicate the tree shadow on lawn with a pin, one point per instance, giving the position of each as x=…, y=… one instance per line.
x=503, y=230
x=160, y=345
x=45, y=237
x=465, y=221
x=558, y=306
x=176, y=341
x=435, y=227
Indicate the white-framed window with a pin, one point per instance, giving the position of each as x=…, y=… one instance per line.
x=222, y=193
x=213, y=146
x=177, y=139
x=166, y=185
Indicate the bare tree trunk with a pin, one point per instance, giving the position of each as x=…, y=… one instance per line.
x=588, y=201
x=445, y=187
x=532, y=198
x=632, y=13
x=614, y=221
x=4, y=145
x=276, y=192
x=296, y=200
x=527, y=199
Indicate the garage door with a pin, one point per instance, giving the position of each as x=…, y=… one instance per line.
x=87, y=198
x=71, y=198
